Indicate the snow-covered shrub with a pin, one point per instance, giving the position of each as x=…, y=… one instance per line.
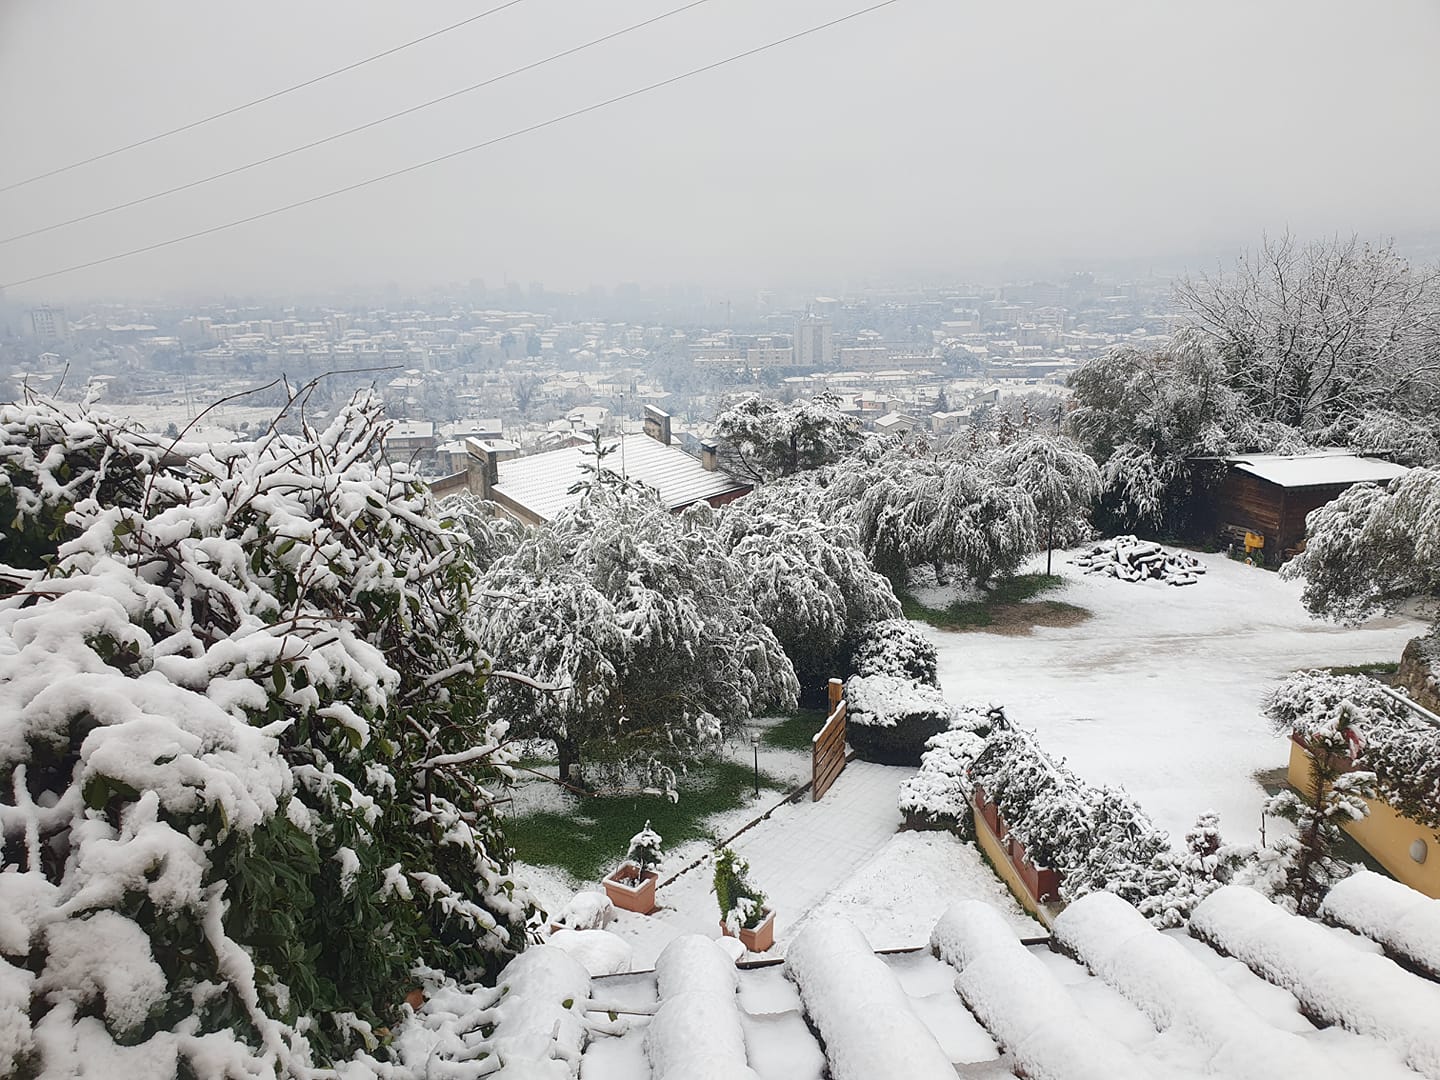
x=641, y=628
x=859, y=1008
x=742, y=905
x=889, y=720
x=696, y=1032
x=1096, y=837
x=811, y=583
x=939, y=796
x=245, y=788
x=1404, y=920
x=896, y=648
x=644, y=852
x=1334, y=982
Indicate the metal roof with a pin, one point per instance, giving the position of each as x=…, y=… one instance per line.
x=541, y=482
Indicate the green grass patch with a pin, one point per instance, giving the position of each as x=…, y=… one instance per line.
x=971, y=614
x=591, y=839
x=795, y=732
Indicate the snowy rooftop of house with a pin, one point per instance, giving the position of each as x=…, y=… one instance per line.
x=541, y=482
x=412, y=429
x=1317, y=469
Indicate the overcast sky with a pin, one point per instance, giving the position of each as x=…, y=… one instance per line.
x=932, y=137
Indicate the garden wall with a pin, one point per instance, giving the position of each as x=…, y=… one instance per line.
x=1419, y=674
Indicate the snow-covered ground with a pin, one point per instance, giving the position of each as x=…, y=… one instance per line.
x=1160, y=691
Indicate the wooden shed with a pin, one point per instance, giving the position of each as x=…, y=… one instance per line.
x=1270, y=495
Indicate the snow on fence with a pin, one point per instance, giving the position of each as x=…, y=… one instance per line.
x=696, y=1033
x=1405, y=922
x=827, y=747
x=1334, y=982
x=1178, y=992
x=1022, y=1004
x=859, y=1008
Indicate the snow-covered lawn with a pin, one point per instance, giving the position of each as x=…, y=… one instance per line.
x=1160, y=690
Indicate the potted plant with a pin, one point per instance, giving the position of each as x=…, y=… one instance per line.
x=743, y=912
x=632, y=885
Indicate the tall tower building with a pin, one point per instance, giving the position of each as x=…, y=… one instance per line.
x=814, y=343
x=48, y=324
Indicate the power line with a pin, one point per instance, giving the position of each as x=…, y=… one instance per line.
x=260, y=100
x=454, y=153
x=351, y=131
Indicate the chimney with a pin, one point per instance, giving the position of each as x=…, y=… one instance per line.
x=657, y=424
x=483, y=466
x=709, y=456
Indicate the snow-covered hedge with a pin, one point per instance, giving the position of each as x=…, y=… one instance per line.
x=1405, y=921
x=1096, y=837
x=895, y=647
x=1334, y=982
x=940, y=794
x=244, y=793
x=859, y=1008
x=696, y=1031
x=1161, y=978
x=889, y=719
x=1022, y=1004
x=1401, y=749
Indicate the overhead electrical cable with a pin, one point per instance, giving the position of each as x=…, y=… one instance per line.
x=261, y=100
x=626, y=96
x=354, y=130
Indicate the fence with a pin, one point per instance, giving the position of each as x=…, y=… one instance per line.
x=827, y=748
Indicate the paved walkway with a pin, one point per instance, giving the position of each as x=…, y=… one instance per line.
x=797, y=856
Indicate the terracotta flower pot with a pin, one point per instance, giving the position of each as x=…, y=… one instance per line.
x=760, y=939
x=638, y=898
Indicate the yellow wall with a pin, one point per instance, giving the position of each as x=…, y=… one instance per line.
x=995, y=852
x=1383, y=833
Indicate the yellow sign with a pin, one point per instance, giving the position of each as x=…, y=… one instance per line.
x=1253, y=541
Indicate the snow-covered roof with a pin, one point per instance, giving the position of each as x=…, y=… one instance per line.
x=1319, y=469
x=411, y=429
x=541, y=482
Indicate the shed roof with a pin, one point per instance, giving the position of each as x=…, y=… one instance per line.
x=1322, y=469
x=541, y=482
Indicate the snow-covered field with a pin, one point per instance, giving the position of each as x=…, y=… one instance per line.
x=1160, y=691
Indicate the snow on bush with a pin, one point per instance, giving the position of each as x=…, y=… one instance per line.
x=600, y=952
x=940, y=794
x=1334, y=982
x=696, y=1031
x=1131, y=559
x=643, y=623
x=888, y=719
x=1405, y=921
x=1021, y=1003
x=1176, y=991
x=244, y=792
x=1401, y=749
x=1097, y=838
x=895, y=647
x=859, y=1008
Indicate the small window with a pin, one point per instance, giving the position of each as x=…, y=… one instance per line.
x=1419, y=850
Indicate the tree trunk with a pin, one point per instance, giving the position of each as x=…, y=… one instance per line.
x=568, y=751
x=1049, y=546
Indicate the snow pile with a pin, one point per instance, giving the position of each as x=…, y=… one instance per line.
x=599, y=951
x=589, y=909
x=1022, y=1004
x=1132, y=559
x=1406, y=922
x=939, y=795
x=696, y=1033
x=859, y=1008
x=242, y=782
x=1334, y=982
x=1176, y=991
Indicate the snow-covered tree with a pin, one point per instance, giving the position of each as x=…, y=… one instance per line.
x=808, y=577
x=1372, y=547
x=1060, y=478
x=246, y=787
x=1145, y=414
x=641, y=623
x=762, y=438
x=1312, y=333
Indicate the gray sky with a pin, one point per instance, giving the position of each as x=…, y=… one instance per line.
x=931, y=137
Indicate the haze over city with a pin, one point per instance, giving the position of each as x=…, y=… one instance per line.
x=926, y=138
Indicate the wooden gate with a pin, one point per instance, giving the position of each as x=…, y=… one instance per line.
x=827, y=747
